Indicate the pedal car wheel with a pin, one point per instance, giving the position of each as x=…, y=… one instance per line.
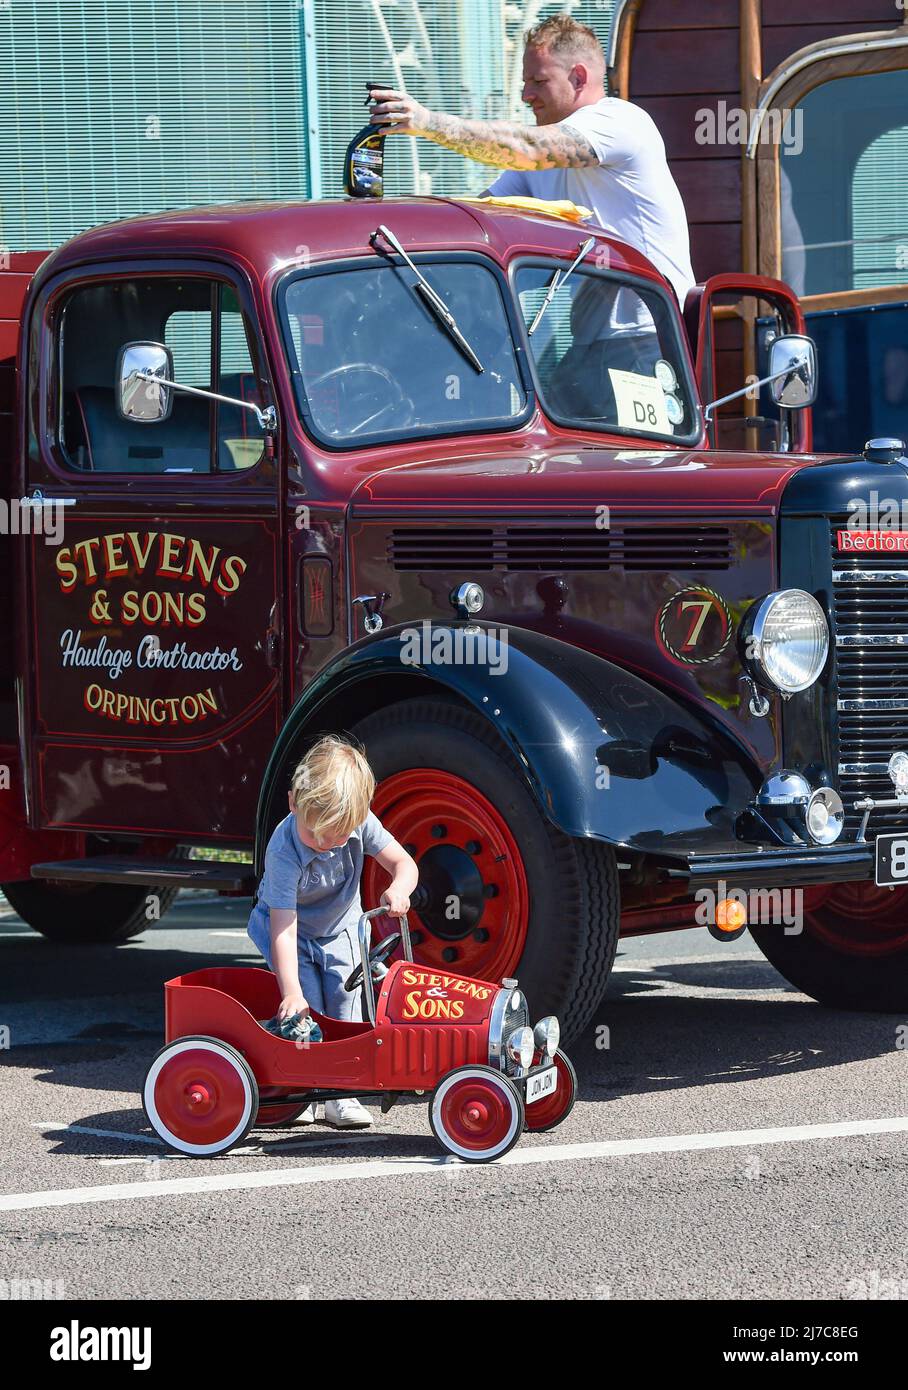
x=270, y=1116
x=476, y=1113
x=551, y=1110
x=200, y=1096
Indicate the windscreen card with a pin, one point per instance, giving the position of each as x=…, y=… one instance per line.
x=640, y=402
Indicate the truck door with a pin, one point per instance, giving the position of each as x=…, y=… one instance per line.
x=152, y=692
x=732, y=321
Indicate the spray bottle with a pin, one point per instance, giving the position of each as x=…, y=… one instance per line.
x=364, y=160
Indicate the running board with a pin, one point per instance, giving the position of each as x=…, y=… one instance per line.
x=219, y=876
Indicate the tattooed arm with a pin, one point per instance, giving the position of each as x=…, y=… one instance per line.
x=506, y=144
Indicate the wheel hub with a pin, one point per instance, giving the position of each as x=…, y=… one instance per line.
x=450, y=878
x=199, y=1098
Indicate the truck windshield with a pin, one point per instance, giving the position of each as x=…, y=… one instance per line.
x=370, y=361
x=607, y=355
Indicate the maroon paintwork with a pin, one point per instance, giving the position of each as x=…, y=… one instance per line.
x=92, y=769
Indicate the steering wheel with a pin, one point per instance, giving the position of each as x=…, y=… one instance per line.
x=377, y=956
x=384, y=375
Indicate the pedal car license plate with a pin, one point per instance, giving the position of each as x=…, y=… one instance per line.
x=541, y=1083
x=891, y=859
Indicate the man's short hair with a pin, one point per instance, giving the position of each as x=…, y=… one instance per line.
x=568, y=39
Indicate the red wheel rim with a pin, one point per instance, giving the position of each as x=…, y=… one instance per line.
x=858, y=919
x=465, y=852
x=548, y=1111
x=199, y=1096
x=275, y=1114
x=476, y=1114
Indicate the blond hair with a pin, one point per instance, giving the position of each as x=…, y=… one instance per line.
x=568, y=40
x=332, y=787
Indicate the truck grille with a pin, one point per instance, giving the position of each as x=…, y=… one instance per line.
x=870, y=618
x=509, y=1019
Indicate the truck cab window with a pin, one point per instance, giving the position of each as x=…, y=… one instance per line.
x=202, y=324
x=607, y=354
x=370, y=362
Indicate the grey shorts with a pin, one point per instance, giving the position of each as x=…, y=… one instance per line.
x=325, y=962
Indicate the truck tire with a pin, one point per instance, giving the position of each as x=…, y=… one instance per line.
x=509, y=894
x=74, y=914
x=853, y=950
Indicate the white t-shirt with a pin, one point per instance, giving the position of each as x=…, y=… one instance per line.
x=632, y=194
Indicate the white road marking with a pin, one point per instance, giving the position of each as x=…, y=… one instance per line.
x=322, y=1140
x=388, y=1167
x=625, y=967
x=100, y=1133
x=279, y=1146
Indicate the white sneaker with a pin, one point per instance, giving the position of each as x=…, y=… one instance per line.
x=347, y=1114
x=308, y=1115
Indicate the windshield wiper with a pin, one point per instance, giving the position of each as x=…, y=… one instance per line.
x=557, y=283
x=431, y=298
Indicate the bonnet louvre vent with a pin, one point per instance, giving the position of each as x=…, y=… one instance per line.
x=561, y=545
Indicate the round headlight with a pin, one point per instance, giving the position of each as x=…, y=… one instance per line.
x=787, y=640
x=547, y=1035
x=520, y=1047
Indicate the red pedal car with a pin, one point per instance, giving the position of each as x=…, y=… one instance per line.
x=468, y=1042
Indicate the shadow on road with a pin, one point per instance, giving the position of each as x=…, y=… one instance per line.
x=662, y=1027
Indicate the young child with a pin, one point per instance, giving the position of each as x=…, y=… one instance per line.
x=308, y=908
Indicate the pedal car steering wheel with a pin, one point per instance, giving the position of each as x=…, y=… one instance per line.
x=344, y=371
x=377, y=956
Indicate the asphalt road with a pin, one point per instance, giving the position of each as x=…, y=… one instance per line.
x=727, y=1143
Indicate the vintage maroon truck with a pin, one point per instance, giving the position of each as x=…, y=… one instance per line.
x=360, y=465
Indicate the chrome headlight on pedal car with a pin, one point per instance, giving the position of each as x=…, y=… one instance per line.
x=547, y=1036
x=521, y=1047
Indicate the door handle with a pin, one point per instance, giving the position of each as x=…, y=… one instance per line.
x=36, y=498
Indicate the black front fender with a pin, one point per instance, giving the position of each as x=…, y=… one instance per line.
x=606, y=755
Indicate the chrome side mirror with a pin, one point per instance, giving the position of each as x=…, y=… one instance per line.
x=147, y=402
x=793, y=371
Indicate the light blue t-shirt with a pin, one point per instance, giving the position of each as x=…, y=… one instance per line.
x=322, y=886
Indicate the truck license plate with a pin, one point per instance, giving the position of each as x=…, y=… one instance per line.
x=541, y=1083
x=892, y=859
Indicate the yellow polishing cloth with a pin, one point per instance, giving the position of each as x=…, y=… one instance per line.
x=557, y=207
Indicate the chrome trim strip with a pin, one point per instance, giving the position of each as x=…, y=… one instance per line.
x=872, y=639
x=869, y=576
x=863, y=769
x=871, y=704
x=895, y=39
x=496, y=1040
x=614, y=33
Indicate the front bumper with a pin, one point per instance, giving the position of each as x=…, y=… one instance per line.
x=772, y=866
